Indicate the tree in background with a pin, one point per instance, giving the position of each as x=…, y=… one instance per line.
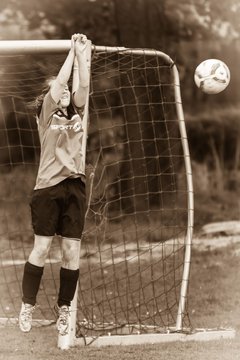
x=145, y=23
x=188, y=30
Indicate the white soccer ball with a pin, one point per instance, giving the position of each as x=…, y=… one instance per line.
x=212, y=76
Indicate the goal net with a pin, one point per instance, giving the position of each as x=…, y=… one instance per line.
x=135, y=251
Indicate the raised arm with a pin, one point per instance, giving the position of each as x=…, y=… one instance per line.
x=81, y=74
x=59, y=84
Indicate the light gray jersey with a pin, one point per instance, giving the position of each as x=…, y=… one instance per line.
x=61, y=142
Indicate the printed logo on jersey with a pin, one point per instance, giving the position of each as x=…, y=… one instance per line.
x=77, y=127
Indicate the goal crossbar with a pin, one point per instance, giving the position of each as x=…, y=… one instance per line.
x=25, y=47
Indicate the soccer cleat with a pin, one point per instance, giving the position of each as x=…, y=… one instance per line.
x=63, y=321
x=25, y=317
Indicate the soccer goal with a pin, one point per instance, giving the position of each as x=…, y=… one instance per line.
x=136, y=246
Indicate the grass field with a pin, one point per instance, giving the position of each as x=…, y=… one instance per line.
x=214, y=302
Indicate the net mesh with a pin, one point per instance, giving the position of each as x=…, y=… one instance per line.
x=133, y=245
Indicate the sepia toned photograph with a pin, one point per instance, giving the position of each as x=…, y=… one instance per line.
x=119, y=179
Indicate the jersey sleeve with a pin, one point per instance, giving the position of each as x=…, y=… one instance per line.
x=49, y=107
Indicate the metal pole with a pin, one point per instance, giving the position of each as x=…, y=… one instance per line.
x=22, y=47
x=26, y=47
x=188, y=240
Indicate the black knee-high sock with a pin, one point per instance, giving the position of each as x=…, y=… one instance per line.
x=31, y=281
x=68, y=284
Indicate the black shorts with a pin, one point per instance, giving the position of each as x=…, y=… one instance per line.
x=59, y=209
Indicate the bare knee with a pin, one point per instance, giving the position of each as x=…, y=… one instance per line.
x=40, y=250
x=70, y=254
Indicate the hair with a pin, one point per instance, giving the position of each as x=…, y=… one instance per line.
x=39, y=100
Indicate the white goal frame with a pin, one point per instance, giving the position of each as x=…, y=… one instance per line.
x=17, y=47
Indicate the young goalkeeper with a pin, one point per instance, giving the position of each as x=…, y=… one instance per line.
x=58, y=200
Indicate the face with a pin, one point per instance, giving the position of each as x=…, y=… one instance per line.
x=65, y=98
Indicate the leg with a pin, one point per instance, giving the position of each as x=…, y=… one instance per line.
x=33, y=271
x=69, y=274
x=70, y=228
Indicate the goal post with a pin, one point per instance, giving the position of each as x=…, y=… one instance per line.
x=136, y=246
